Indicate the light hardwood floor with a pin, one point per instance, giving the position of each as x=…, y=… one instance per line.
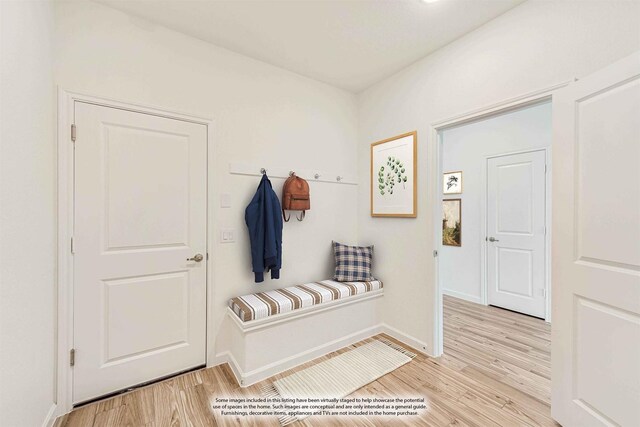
x=495, y=372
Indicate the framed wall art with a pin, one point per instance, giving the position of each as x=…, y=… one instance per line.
x=452, y=183
x=394, y=176
x=452, y=222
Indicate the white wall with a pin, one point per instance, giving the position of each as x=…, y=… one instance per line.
x=262, y=115
x=466, y=148
x=533, y=46
x=267, y=115
x=27, y=213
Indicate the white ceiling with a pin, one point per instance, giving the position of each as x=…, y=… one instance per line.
x=350, y=44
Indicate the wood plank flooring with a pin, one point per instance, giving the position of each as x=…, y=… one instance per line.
x=495, y=372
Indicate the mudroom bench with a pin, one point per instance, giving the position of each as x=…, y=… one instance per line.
x=276, y=330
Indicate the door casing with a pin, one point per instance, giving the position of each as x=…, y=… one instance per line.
x=65, y=177
x=436, y=128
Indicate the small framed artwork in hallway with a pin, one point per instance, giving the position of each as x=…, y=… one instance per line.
x=452, y=222
x=452, y=183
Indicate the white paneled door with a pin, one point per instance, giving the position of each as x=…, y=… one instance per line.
x=139, y=294
x=595, y=342
x=516, y=232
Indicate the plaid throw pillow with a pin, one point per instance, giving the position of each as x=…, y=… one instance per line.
x=353, y=263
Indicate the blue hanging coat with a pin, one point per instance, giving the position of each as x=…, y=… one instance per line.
x=264, y=220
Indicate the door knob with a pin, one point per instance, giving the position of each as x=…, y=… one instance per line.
x=493, y=239
x=196, y=258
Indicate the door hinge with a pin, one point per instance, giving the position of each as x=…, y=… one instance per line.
x=73, y=133
x=72, y=245
x=435, y=254
x=72, y=357
x=545, y=168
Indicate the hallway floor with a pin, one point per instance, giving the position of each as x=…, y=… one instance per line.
x=495, y=372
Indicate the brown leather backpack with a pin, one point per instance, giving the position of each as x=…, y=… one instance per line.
x=295, y=196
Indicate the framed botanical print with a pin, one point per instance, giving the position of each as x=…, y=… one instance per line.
x=452, y=222
x=394, y=176
x=452, y=183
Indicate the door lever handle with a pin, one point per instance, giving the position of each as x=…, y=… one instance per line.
x=493, y=239
x=196, y=258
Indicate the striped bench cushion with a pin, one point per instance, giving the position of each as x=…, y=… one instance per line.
x=265, y=304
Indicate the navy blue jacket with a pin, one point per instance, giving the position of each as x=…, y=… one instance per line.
x=264, y=219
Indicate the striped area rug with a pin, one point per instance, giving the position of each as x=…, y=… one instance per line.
x=341, y=375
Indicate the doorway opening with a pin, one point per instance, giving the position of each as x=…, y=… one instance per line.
x=494, y=246
x=496, y=210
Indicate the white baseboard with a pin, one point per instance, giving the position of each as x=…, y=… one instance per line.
x=218, y=359
x=51, y=416
x=462, y=295
x=227, y=357
x=246, y=379
x=413, y=342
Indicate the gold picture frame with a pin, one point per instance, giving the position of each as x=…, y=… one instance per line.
x=452, y=213
x=394, y=177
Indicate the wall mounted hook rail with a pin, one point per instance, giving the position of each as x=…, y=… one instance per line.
x=320, y=176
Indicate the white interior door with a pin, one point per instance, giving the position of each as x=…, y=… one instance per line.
x=140, y=213
x=516, y=232
x=595, y=344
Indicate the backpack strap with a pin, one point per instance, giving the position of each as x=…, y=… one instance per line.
x=284, y=215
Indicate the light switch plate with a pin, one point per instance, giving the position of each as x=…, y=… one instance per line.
x=227, y=235
x=225, y=200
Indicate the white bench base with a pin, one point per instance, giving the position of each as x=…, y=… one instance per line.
x=261, y=348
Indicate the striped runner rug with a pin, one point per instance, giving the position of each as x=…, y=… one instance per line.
x=341, y=375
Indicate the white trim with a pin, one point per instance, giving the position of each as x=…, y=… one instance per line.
x=414, y=343
x=501, y=107
x=484, y=278
x=549, y=205
x=438, y=331
x=246, y=379
x=484, y=181
x=463, y=296
x=227, y=357
x=254, y=325
x=64, y=326
x=212, y=196
x=137, y=108
x=51, y=416
x=435, y=135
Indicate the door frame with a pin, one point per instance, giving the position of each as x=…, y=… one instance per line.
x=63, y=339
x=435, y=133
x=484, y=224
